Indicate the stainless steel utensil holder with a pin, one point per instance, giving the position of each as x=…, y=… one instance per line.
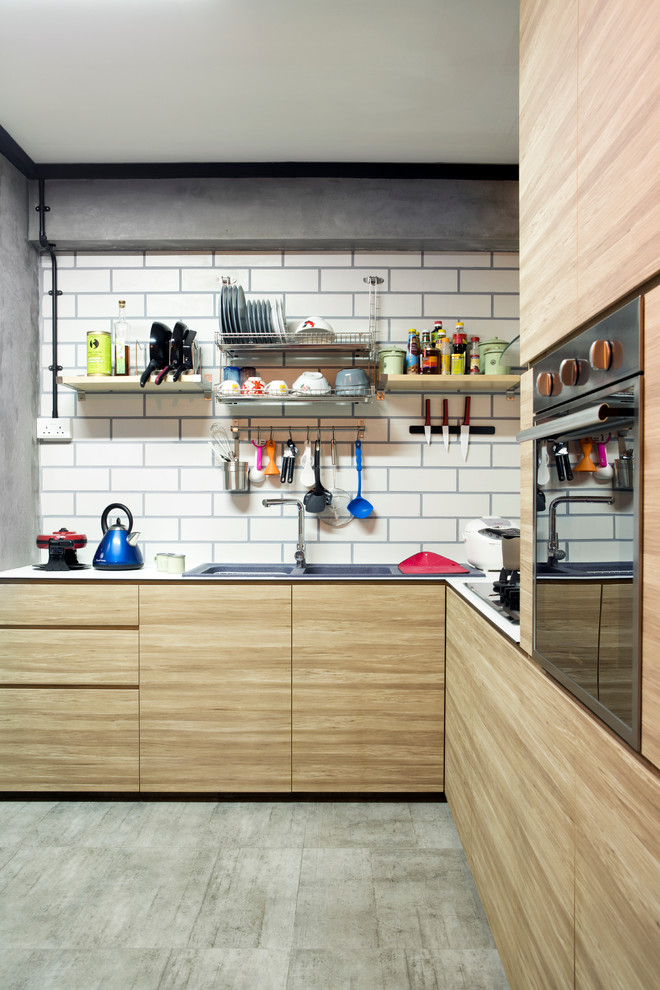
x=236, y=476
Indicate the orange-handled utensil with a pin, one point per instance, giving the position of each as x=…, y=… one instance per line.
x=271, y=467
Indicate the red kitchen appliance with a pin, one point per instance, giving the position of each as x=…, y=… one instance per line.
x=62, y=546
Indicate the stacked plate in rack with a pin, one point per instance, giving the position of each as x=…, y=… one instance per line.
x=253, y=321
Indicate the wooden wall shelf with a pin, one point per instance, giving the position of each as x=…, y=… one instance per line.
x=125, y=384
x=449, y=383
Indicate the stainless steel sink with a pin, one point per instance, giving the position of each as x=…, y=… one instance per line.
x=350, y=570
x=241, y=570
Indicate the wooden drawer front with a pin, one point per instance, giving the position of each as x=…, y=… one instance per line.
x=65, y=604
x=68, y=739
x=69, y=656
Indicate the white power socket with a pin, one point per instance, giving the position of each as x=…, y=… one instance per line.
x=54, y=430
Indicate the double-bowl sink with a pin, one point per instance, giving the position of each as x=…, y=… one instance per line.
x=293, y=571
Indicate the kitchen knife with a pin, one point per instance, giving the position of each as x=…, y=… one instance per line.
x=445, y=423
x=465, y=429
x=427, y=424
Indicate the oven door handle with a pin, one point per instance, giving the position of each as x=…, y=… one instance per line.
x=580, y=423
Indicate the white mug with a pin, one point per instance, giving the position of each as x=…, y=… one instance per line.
x=277, y=387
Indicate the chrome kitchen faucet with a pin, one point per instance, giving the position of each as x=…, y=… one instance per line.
x=300, y=549
x=554, y=553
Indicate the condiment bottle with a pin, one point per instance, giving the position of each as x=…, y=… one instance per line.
x=474, y=356
x=436, y=333
x=430, y=356
x=412, y=353
x=120, y=328
x=445, y=355
x=458, y=354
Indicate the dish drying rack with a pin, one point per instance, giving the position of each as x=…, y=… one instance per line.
x=300, y=350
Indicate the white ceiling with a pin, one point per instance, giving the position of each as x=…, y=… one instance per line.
x=106, y=81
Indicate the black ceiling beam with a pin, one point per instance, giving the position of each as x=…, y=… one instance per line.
x=15, y=154
x=287, y=170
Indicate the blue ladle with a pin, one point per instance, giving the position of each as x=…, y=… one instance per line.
x=358, y=506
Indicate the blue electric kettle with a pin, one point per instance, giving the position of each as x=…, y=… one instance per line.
x=118, y=549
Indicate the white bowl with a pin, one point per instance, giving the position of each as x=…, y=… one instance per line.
x=312, y=383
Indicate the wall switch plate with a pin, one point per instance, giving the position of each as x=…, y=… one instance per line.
x=54, y=430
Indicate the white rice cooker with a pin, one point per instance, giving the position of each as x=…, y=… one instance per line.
x=482, y=550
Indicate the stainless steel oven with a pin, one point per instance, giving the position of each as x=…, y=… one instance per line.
x=587, y=437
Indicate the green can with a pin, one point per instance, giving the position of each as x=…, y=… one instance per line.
x=99, y=353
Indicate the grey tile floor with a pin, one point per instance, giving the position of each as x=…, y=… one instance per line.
x=239, y=895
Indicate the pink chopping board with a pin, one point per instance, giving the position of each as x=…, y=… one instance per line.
x=427, y=562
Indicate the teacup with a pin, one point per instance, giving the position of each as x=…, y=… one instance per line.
x=254, y=386
x=277, y=387
x=229, y=386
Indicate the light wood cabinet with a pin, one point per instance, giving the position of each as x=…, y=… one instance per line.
x=618, y=168
x=518, y=804
x=368, y=687
x=617, y=864
x=561, y=827
x=215, y=687
x=548, y=173
x=68, y=687
x=68, y=739
x=589, y=166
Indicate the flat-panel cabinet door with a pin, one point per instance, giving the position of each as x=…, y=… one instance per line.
x=618, y=161
x=215, y=688
x=651, y=542
x=68, y=739
x=368, y=687
x=548, y=173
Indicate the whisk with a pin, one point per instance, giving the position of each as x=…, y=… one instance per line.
x=222, y=443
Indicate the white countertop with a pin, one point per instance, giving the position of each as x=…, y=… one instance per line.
x=148, y=574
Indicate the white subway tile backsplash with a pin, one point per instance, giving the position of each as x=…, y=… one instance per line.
x=149, y=451
x=424, y=280
x=146, y=479
x=214, y=529
x=179, y=306
x=493, y=479
x=422, y=480
x=74, y=479
x=387, y=259
x=494, y=280
x=182, y=504
x=465, y=259
x=83, y=280
x=461, y=306
x=328, y=259
x=285, y=280
x=146, y=280
x=109, y=454
x=247, y=260
x=423, y=530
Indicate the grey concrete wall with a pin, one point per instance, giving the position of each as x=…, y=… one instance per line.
x=272, y=213
x=19, y=379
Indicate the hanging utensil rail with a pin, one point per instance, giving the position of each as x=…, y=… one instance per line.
x=239, y=427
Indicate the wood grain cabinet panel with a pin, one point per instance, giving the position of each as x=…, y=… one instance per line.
x=215, y=688
x=368, y=687
x=67, y=604
x=651, y=532
x=618, y=161
x=69, y=656
x=617, y=875
x=68, y=739
x=548, y=173
x=517, y=751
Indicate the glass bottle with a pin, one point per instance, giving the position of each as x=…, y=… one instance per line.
x=474, y=356
x=458, y=354
x=430, y=356
x=412, y=353
x=445, y=355
x=120, y=329
x=436, y=333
